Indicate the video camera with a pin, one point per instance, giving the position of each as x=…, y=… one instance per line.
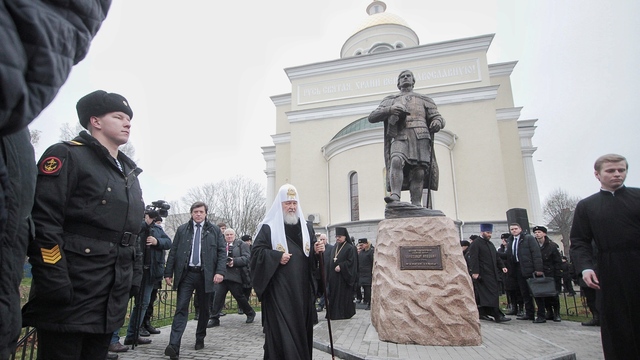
x=230, y=254
x=161, y=207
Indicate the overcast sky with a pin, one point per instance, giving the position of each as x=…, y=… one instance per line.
x=199, y=75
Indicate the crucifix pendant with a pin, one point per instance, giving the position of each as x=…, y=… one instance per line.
x=335, y=259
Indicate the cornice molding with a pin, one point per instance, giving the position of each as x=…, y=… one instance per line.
x=502, y=69
x=445, y=48
x=508, y=114
x=283, y=138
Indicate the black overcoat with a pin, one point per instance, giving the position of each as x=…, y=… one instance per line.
x=613, y=222
x=483, y=260
x=82, y=256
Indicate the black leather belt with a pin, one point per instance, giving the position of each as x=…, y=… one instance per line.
x=118, y=237
x=195, y=268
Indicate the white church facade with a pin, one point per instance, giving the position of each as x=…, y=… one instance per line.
x=325, y=146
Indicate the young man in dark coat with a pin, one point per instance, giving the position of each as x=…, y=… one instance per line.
x=342, y=274
x=284, y=256
x=152, y=243
x=524, y=254
x=365, y=269
x=87, y=213
x=34, y=64
x=552, y=267
x=611, y=218
x=485, y=267
x=196, y=261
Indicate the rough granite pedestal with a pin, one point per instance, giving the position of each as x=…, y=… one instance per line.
x=424, y=307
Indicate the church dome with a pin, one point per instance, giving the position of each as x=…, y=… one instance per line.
x=380, y=31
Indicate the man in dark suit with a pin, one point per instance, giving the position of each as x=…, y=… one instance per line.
x=523, y=252
x=196, y=261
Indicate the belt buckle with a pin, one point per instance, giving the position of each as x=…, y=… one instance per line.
x=126, y=239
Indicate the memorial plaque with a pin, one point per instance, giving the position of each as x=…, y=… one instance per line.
x=420, y=258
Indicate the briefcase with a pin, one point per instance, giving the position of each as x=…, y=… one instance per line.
x=542, y=286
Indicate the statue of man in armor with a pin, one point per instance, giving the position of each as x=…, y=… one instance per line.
x=410, y=122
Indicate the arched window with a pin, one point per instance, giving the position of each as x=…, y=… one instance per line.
x=354, y=200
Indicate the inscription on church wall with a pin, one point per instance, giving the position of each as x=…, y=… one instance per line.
x=458, y=72
x=420, y=258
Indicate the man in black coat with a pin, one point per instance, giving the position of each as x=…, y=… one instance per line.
x=152, y=243
x=611, y=218
x=87, y=213
x=524, y=254
x=196, y=261
x=34, y=63
x=485, y=267
x=552, y=267
x=365, y=269
x=342, y=274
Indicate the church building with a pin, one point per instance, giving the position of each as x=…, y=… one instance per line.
x=326, y=147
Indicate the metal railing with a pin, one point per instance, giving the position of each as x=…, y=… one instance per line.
x=164, y=309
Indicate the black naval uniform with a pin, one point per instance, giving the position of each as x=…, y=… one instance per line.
x=87, y=214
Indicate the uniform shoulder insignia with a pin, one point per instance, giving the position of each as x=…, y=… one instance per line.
x=50, y=165
x=51, y=256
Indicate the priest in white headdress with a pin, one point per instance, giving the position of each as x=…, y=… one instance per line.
x=283, y=258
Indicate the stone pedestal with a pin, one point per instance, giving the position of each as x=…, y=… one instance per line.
x=424, y=307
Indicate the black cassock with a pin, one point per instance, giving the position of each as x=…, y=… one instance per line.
x=613, y=221
x=341, y=284
x=286, y=293
x=483, y=260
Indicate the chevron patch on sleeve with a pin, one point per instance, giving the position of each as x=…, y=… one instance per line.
x=51, y=256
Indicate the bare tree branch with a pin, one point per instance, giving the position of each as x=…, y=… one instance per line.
x=558, y=213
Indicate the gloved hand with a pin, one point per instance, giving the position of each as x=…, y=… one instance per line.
x=134, y=291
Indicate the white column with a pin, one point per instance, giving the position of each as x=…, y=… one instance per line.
x=526, y=130
x=269, y=155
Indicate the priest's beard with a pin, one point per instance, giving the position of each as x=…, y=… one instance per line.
x=290, y=218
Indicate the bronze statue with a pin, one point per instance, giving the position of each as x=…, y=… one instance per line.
x=410, y=122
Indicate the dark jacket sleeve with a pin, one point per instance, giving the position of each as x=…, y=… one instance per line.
x=41, y=41
x=581, y=236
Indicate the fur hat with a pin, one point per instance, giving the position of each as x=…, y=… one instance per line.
x=99, y=103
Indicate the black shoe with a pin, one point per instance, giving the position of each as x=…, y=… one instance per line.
x=549, y=316
x=240, y=311
x=485, y=317
x=539, y=320
x=592, y=322
x=117, y=347
x=520, y=313
x=143, y=332
x=213, y=322
x=525, y=317
x=221, y=314
x=250, y=318
x=141, y=341
x=151, y=329
x=171, y=353
x=199, y=344
x=557, y=318
x=111, y=356
x=502, y=319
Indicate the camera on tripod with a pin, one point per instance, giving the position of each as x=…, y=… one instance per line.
x=161, y=207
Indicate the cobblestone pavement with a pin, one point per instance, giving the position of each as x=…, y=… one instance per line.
x=356, y=338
